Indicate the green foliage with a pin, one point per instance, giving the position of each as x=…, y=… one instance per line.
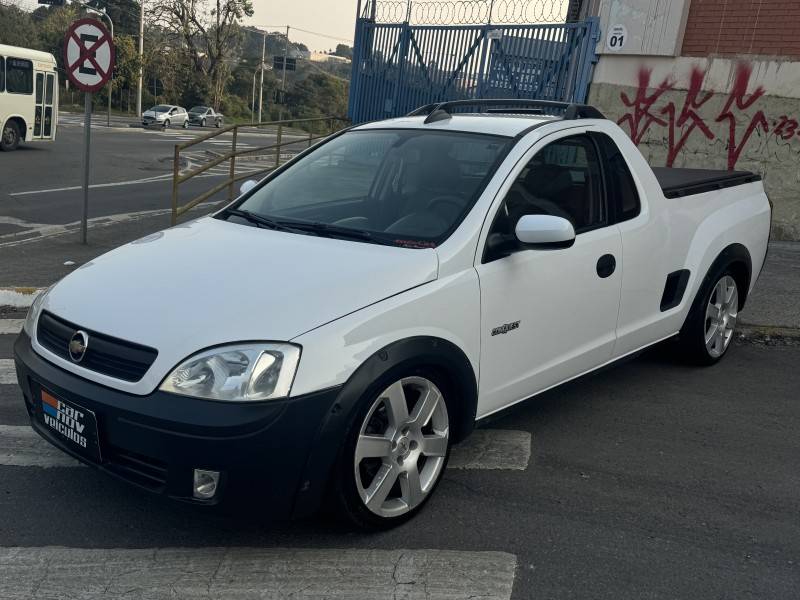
x=318, y=95
x=17, y=27
x=344, y=50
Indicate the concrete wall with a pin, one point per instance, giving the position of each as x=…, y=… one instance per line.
x=719, y=113
x=652, y=27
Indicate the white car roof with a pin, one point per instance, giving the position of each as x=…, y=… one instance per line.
x=496, y=124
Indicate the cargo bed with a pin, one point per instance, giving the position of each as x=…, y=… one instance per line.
x=677, y=183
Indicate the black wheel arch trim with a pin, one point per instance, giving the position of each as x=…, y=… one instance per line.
x=420, y=351
x=736, y=254
x=731, y=254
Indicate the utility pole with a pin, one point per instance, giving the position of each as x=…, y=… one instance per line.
x=253, y=98
x=283, y=81
x=141, y=60
x=261, y=85
x=110, y=81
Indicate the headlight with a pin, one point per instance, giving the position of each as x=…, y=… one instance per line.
x=33, y=313
x=238, y=373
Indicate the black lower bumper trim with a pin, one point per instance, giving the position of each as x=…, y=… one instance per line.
x=156, y=441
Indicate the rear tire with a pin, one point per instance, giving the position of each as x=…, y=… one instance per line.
x=395, y=450
x=708, y=332
x=186, y=124
x=10, y=137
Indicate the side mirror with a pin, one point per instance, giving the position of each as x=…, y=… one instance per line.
x=545, y=232
x=247, y=186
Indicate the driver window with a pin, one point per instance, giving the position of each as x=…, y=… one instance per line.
x=563, y=180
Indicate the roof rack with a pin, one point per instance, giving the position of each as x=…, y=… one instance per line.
x=440, y=111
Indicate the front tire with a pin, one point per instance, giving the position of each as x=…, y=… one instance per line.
x=709, y=329
x=10, y=137
x=166, y=124
x=395, y=451
x=202, y=123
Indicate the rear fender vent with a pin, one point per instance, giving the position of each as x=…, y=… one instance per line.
x=674, y=288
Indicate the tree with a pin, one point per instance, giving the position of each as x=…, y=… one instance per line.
x=209, y=32
x=17, y=27
x=343, y=50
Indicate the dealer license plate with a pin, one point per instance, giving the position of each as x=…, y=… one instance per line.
x=72, y=424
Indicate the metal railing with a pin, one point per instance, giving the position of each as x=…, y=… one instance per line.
x=301, y=131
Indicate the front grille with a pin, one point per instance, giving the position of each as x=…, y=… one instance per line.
x=104, y=354
x=142, y=470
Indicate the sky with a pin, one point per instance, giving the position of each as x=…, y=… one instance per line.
x=334, y=18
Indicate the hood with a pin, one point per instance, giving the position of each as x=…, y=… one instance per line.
x=211, y=282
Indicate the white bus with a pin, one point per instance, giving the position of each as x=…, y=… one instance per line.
x=28, y=96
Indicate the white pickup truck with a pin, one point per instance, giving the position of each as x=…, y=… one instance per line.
x=328, y=335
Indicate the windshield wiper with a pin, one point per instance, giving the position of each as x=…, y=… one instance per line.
x=334, y=231
x=257, y=219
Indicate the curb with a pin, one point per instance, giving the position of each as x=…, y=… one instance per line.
x=18, y=297
x=768, y=335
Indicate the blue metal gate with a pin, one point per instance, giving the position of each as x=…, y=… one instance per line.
x=400, y=66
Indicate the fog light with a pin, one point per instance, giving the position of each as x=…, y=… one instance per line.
x=205, y=483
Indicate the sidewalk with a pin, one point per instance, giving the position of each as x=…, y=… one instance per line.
x=773, y=310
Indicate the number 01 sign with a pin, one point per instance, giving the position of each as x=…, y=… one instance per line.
x=617, y=36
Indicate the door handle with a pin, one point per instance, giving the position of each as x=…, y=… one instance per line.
x=606, y=265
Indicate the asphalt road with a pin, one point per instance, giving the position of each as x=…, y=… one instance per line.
x=131, y=171
x=651, y=480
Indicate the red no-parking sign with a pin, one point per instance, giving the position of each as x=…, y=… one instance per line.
x=88, y=54
x=89, y=62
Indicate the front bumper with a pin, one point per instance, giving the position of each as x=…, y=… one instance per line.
x=262, y=449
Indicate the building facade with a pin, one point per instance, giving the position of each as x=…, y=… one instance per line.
x=707, y=83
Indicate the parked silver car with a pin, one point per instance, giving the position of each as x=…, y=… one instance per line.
x=166, y=115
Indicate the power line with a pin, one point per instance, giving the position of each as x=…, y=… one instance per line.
x=325, y=35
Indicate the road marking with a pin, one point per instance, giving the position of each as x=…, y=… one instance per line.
x=21, y=446
x=10, y=326
x=492, y=449
x=43, y=231
x=71, y=188
x=238, y=573
x=18, y=297
x=8, y=374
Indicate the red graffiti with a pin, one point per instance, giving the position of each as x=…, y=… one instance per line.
x=682, y=124
x=738, y=98
x=641, y=119
x=688, y=115
x=786, y=128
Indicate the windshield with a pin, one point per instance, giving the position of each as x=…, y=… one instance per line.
x=408, y=187
x=161, y=108
x=198, y=109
